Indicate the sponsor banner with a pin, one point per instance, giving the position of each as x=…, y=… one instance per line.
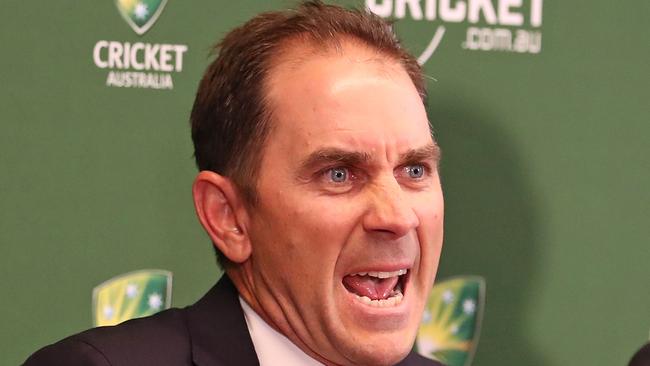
x=511, y=26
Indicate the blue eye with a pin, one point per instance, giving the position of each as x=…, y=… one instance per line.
x=415, y=171
x=338, y=175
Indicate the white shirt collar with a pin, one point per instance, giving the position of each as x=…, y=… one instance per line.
x=271, y=346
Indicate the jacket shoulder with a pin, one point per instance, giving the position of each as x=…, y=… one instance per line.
x=69, y=351
x=161, y=339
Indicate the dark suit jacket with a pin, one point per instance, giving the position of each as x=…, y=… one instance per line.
x=641, y=357
x=212, y=332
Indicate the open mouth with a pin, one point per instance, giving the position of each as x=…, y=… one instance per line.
x=379, y=289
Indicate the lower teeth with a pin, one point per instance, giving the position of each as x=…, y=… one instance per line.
x=394, y=299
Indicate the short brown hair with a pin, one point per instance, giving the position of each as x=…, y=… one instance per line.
x=231, y=119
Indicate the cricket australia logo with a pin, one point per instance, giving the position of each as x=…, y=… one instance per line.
x=140, y=14
x=139, y=64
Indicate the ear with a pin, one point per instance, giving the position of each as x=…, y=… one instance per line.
x=222, y=214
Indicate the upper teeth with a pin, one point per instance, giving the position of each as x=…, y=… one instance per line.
x=382, y=274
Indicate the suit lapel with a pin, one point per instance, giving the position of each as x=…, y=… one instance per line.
x=218, y=332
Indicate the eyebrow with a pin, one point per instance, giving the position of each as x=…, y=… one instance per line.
x=428, y=152
x=334, y=155
x=324, y=156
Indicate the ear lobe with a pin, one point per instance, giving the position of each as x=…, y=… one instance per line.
x=216, y=202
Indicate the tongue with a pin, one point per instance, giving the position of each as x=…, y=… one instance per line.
x=372, y=287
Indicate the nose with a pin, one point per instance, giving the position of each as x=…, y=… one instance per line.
x=389, y=210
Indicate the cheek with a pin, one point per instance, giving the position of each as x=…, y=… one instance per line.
x=430, y=233
x=430, y=210
x=325, y=215
x=310, y=233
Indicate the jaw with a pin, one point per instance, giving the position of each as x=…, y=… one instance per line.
x=372, y=335
x=350, y=332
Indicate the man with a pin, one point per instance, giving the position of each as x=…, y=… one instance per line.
x=320, y=191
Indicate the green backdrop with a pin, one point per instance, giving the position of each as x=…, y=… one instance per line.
x=545, y=170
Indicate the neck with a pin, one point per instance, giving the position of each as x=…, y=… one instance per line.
x=255, y=295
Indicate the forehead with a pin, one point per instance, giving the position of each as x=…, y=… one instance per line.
x=348, y=96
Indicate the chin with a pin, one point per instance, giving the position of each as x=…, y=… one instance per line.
x=381, y=356
x=383, y=350
x=368, y=335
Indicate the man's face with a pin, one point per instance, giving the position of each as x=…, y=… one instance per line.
x=349, y=194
